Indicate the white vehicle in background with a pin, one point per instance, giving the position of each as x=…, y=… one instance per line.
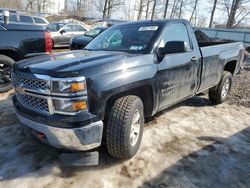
x=62, y=32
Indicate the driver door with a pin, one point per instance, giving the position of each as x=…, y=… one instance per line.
x=177, y=72
x=67, y=32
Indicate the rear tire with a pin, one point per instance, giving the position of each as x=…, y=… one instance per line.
x=5, y=71
x=219, y=93
x=125, y=127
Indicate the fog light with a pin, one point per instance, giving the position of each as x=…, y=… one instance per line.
x=69, y=106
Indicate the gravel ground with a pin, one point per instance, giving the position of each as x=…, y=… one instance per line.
x=240, y=93
x=193, y=144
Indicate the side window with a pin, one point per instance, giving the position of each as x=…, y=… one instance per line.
x=79, y=28
x=26, y=19
x=68, y=28
x=176, y=32
x=39, y=20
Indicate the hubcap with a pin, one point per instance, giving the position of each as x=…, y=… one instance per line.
x=225, y=88
x=135, y=128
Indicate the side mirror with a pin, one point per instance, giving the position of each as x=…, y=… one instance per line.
x=62, y=31
x=173, y=47
x=6, y=16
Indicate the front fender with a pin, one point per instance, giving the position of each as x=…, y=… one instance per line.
x=108, y=85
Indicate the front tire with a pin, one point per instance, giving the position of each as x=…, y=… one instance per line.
x=219, y=93
x=6, y=65
x=125, y=127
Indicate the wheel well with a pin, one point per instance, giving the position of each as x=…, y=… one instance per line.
x=12, y=54
x=144, y=92
x=230, y=66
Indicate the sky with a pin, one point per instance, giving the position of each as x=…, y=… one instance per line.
x=203, y=9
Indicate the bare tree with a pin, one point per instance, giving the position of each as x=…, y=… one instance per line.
x=129, y=9
x=108, y=6
x=38, y=5
x=147, y=9
x=140, y=9
x=194, y=9
x=44, y=5
x=182, y=3
x=212, y=13
x=78, y=7
x=237, y=11
x=30, y=5
x=153, y=10
x=166, y=9
x=66, y=4
x=14, y=4
x=174, y=8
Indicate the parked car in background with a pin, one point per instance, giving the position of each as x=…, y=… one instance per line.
x=13, y=14
x=62, y=33
x=26, y=18
x=19, y=41
x=79, y=42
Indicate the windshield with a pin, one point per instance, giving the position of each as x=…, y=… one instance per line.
x=124, y=38
x=93, y=32
x=55, y=26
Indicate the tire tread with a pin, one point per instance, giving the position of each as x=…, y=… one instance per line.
x=117, y=144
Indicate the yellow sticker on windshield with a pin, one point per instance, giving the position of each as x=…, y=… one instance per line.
x=148, y=28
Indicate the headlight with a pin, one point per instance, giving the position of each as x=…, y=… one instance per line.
x=70, y=95
x=70, y=86
x=69, y=105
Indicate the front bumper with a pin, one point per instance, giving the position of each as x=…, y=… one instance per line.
x=81, y=139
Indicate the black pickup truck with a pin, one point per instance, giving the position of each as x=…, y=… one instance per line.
x=19, y=41
x=79, y=100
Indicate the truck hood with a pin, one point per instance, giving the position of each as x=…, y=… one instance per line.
x=72, y=63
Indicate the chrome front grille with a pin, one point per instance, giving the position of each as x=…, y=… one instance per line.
x=28, y=89
x=34, y=83
x=33, y=103
x=35, y=92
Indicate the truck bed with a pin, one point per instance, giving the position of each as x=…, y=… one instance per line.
x=213, y=53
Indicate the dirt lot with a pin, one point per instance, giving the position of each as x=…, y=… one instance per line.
x=193, y=144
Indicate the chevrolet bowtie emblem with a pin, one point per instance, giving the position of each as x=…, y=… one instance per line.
x=20, y=88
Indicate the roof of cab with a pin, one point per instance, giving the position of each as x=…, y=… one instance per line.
x=158, y=22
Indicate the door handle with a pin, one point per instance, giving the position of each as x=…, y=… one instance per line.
x=194, y=59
